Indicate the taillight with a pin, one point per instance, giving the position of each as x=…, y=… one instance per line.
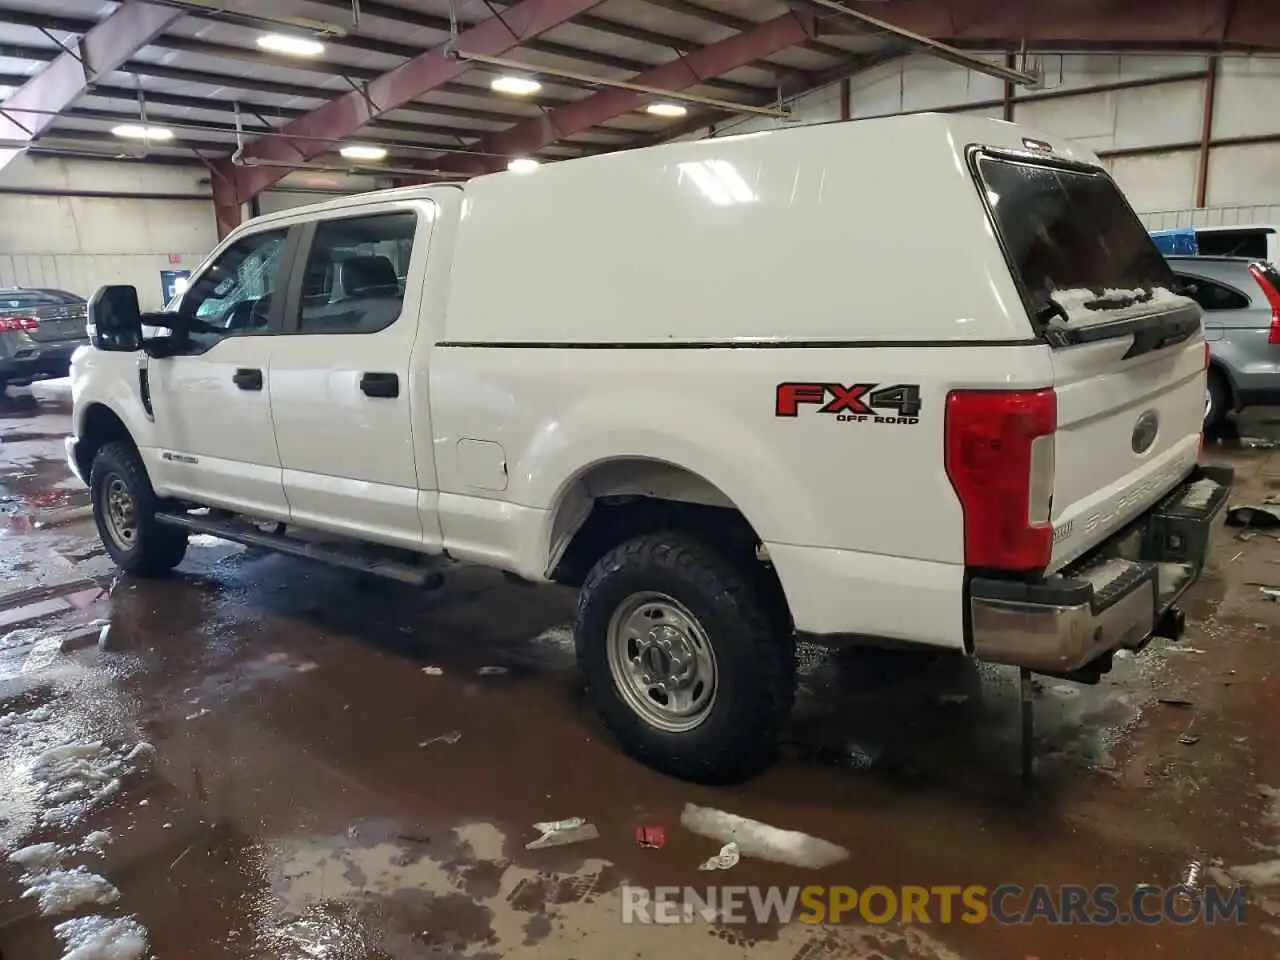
x=1273, y=298
x=18, y=324
x=999, y=458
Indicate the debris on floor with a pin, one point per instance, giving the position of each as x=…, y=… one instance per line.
x=453, y=736
x=491, y=671
x=760, y=840
x=560, y=833
x=726, y=859
x=1180, y=702
x=433, y=671
x=1262, y=515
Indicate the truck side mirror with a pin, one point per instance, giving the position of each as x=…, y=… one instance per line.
x=115, y=320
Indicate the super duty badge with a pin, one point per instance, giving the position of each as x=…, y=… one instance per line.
x=859, y=403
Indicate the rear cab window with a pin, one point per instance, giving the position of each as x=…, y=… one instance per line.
x=1078, y=252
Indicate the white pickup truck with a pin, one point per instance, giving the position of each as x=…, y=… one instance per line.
x=923, y=380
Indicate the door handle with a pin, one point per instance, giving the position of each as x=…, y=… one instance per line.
x=248, y=379
x=380, y=385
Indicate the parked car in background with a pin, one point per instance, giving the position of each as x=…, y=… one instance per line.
x=39, y=330
x=1240, y=297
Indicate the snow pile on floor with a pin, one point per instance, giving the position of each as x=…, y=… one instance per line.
x=760, y=840
x=96, y=842
x=20, y=637
x=74, y=777
x=57, y=390
x=40, y=856
x=61, y=891
x=102, y=938
x=76, y=772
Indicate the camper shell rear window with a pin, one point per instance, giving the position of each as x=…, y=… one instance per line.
x=1075, y=246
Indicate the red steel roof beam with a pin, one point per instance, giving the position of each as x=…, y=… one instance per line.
x=712, y=61
x=68, y=76
x=1250, y=23
x=340, y=118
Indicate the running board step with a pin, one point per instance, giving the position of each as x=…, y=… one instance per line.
x=329, y=553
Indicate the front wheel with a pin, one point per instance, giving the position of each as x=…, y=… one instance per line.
x=682, y=660
x=124, y=508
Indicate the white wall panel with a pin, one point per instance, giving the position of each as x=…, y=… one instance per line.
x=1076, y=71
x=1157, y=181
x=1212, y=216
x=79, y=243
x=1244, y=175
x=1154, y=116
x=919, y=83
x=52, y=173
x=1246, y=101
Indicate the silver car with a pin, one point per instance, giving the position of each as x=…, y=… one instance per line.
x=1240, y=297
x=39, y=330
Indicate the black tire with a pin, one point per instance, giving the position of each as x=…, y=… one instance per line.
x=155, y=549
x=754, y=652
x=1219, y=402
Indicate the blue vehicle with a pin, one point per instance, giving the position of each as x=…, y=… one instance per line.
x=1179, y=242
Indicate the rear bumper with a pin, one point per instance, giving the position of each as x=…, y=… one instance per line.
x=1114, y=600
x=38, y=363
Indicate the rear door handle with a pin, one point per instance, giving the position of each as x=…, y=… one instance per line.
x=380, y=385
x=248, y=379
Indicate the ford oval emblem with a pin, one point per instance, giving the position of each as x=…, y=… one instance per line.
x=1145, y=430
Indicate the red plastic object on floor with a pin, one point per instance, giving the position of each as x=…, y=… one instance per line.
x=651, y=837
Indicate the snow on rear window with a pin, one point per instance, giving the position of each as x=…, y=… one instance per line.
x=1072, y=240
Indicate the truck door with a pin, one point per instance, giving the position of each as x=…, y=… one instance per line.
x=210, y=402
x=343, y=394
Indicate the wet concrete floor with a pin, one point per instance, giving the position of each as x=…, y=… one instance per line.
x=269, y=759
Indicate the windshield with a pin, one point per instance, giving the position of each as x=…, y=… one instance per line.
x=1072, y=241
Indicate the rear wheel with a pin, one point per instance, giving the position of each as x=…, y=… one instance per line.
x=683, y=661
x=1218, y=400
x=124, y=508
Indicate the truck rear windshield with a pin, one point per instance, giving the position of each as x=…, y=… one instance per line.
x=1071, y=239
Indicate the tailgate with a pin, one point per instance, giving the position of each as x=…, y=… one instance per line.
x=1128, y=431
x=1128, y=351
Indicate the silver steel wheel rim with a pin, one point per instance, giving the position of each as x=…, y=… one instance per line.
x=662, y=662
x=120, y=513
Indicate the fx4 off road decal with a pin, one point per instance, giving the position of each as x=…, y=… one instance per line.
x=859, y=403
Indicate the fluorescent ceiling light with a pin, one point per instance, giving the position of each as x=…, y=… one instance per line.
x=666, y=109
x=523, y=165
x=136, y=131
x=290, y=46
x=359, y=152
x=517, y=86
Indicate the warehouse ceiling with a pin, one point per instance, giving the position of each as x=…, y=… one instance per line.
x=386, y=74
